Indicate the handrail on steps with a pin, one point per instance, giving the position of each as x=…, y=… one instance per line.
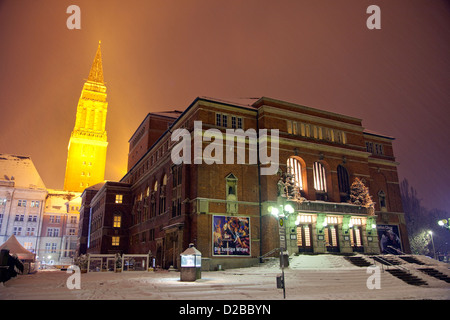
x=390, y=264
x=269, y=253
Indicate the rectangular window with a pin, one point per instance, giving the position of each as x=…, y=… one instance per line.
x=289, y=127
x=308, y=130
x=302, y=129
x=233, y=122
x=115, y=241
x=22, y=203
x=239, y=124
x=72, y=231
x=53, y=248
x=35, y=204
x=224, y=120
x=218, y=119
x=119, y=198
x=117, y=221
x=73, y=219
x=17, y=231
x=294, y=128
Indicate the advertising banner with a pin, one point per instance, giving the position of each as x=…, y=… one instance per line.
x=231, y=236
x=389, y=237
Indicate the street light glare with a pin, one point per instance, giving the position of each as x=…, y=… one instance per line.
x=288, y=208
x=441, y=223
x=274, y=212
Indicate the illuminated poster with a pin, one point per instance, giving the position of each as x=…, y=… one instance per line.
x=389, y=237
x=231, y=236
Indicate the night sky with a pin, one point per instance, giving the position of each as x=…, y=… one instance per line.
x=160, y=55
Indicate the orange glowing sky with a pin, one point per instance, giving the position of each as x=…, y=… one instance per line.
x=160, y=55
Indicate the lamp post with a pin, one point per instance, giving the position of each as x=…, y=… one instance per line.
x=281, y=215
x=432, y=242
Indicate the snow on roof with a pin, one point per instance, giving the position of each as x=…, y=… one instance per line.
x=21, y=171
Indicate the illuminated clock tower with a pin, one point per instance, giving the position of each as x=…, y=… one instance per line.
x=86, y=155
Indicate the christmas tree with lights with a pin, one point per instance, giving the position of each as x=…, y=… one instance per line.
x=359, y=194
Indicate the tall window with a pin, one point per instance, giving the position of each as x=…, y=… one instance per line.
x=162, y=195
x=294, y=167
x=344, y=185
x=177, y=179
x=382, y=200
x=224, y=120
x=218, y=119
x=320, y=180
x=119, y=198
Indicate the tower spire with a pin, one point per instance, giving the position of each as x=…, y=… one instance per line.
x=96, y=73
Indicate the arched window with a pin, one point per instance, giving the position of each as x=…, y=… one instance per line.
x=162, y=195
x=382, y=200
x=294, y=167
x=320, y=180
x=344, y=185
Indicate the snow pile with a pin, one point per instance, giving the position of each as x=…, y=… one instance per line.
x=318, y=277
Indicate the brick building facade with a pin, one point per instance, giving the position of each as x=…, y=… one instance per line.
x=222, y=206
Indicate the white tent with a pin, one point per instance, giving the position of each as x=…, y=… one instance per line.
x=15, y=247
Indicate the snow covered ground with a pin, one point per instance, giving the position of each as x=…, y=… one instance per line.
x=319, y=277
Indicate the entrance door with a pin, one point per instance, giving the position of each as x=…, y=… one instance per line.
x=304, y=242
x=356, y=239
x=331, y=239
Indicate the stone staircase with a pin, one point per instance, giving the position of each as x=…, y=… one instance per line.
x=407, y=277
x=403, y=267
x=358, y=261
x=436, y=274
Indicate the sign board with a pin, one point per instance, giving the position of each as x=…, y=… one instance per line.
x=282, y=232
x=231, y=236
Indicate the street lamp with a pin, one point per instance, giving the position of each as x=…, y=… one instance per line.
x=432, y=242
x=444, y=223
x=280, y=215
